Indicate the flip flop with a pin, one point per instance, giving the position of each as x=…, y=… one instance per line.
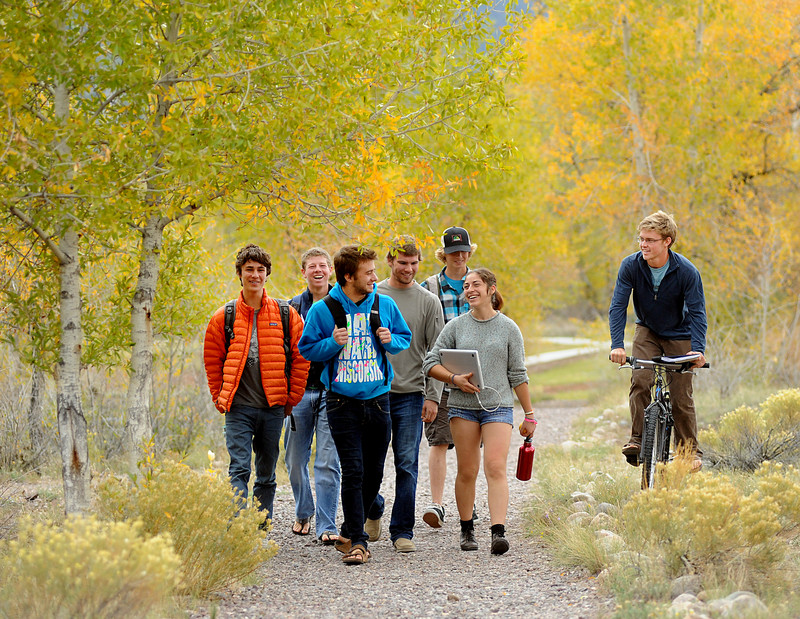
x=305, y=526
x=329, y=538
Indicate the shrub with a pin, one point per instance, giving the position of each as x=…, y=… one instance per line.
x=747, y=436
x=86, y=568
x=218, y=545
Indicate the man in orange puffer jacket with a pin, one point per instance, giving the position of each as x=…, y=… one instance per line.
x=248, y=381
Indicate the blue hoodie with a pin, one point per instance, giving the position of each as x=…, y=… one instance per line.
x=676, y=312
x=359, y=369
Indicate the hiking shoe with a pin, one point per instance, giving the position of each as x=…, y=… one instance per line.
x=468, y=541
x=434, y=516
x=631, y=452
x=403, y=544
x=499, y=544
x=373, y=528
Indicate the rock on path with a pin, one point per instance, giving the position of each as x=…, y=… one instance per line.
x=307, y=579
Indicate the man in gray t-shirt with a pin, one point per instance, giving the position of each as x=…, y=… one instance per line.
x=413, y=397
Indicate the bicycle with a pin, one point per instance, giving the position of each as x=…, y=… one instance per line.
x=658, y=421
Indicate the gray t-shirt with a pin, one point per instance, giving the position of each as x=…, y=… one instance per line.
x=501, y=351
x=250, y=391
x=422, y=312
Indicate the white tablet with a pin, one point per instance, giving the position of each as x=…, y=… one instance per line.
x=458, y=361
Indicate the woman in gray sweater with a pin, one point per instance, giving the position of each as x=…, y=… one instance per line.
x=483, y=416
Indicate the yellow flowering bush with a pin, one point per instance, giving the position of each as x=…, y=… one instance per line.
x=218, y=544
x=86, y=568
x=747, y=436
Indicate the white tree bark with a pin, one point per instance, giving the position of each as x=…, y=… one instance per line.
x=36, y=418
x=640, y=163
x=71, y=422
x=139, y=424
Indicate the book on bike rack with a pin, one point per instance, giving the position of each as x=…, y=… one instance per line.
x=681, y=359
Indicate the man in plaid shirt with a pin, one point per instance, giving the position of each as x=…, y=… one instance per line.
x=448, y=285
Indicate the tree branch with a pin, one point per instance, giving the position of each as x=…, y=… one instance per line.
x=46, y=238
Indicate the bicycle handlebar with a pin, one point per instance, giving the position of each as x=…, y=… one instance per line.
x=670, y=366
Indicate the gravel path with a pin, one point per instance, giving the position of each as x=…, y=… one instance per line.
x=307, y=579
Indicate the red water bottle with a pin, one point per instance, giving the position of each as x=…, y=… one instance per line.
x=525, y=461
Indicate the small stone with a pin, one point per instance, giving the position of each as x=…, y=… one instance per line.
x=744, y=604
x=569, y=445
x=580, y=506
x=607, y=508
x=583, y=496
x=602, y=520
x=686, y=585
x=579, y=518
x=452, y=597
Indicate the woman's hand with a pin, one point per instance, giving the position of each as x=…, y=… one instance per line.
x=527, y=427
x=462, y=382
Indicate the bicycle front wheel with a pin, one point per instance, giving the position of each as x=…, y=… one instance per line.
x=652, y=443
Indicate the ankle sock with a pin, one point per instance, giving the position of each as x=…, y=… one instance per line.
x=467, y=525
x=500, y=529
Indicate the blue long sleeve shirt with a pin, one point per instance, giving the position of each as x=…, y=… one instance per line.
x=359, y=369
x=677, y=311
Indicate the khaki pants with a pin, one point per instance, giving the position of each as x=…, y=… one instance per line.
x=646, y=345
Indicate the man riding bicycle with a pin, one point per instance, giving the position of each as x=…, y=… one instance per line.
x=670, y=320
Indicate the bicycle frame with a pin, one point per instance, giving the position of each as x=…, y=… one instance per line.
x=658, y=421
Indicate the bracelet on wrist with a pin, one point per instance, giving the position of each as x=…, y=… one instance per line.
x=452, y=379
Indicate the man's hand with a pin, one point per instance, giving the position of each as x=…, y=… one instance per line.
x=701, y=361
x=384, y=335
x=287, y=410
x=618, y=356
x=340, y=336
x=429, y=410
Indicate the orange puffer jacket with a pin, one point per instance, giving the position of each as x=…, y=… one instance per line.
x=224, y=371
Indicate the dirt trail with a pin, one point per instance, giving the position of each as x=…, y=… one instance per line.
x=307, y=579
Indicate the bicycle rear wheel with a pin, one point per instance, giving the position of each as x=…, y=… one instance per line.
x=652, y=443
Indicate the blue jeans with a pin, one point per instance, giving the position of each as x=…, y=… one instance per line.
x=251, y=430
x=406, y=413
x=310, y=417
x=360, y=429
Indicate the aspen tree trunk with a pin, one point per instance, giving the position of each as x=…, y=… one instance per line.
x=35, y=418
x=139, y=425
x=71, y=422
x=640, y=165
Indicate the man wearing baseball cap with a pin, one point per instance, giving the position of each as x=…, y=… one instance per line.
x=448, y=285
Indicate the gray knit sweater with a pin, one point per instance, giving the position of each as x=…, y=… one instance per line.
x=501, y=352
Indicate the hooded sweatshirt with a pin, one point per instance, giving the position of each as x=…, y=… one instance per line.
x=359, y=369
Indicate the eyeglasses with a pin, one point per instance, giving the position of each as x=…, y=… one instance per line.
x=643, y=241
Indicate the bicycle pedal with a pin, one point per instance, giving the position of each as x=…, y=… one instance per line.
x=632, y=459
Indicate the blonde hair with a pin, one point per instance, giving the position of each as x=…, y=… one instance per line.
x=440, y=255
x=661, y=223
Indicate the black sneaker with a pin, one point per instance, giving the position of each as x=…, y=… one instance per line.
x=434, y=516
x=499, y=544
x=468, y=541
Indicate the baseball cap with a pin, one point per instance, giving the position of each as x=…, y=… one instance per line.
x=455, y=239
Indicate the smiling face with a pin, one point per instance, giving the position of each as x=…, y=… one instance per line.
x=253, y=277
x=404, y=270
x=363, y=282
x=317, y=272
x=478, y=295
x=654, y=248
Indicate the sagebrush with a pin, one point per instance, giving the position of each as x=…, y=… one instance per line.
x=218, y=544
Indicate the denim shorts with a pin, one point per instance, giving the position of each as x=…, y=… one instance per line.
x=503, y=414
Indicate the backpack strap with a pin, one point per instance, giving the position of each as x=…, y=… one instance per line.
x=230, y=317
x=433, y=283
x=287, y=338
x=340, y=320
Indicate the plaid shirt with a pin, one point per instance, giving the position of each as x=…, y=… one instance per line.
x=453, y=303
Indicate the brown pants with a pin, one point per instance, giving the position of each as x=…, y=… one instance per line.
x=646, y=345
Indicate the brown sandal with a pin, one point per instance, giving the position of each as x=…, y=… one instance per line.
x=302, y=526
x=358, y=555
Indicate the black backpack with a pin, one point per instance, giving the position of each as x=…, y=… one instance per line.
x=340, y=320
x=230, y=316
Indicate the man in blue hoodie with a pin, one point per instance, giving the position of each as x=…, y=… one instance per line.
x=351, y=332
x=670, y=320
